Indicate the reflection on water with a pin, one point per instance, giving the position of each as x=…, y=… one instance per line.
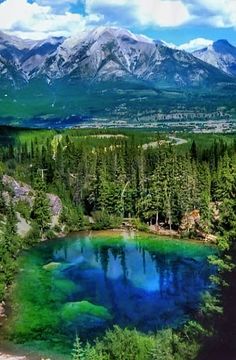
x=140, y=286
x=86, y=283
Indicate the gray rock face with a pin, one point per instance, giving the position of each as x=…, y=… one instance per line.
x=23, y=192
x=112, y=53
x=220, y=54
x=55, y=204
x=102, y=54
x=19, y=57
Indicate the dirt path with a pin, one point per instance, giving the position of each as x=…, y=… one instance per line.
x=178, y=141
x=172, y=140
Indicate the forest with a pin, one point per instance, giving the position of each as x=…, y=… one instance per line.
x=104, y=177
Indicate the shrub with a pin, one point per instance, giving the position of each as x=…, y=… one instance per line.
x=139, y=225
x=73, y=218
x=24, y=209
x=105, y=221
x=119, y=344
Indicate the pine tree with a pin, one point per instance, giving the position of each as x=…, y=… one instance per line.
x=41, y=209
x=78, y=352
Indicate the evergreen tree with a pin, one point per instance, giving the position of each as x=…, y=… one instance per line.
x=41, y=209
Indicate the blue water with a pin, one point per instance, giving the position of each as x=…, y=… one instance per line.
x=136, y=281
x=142, y=287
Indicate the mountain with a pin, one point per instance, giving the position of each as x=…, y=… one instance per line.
x=104, y=54
x=18, y=57
x=37, y=53
x=113, y=54
x=220, y=54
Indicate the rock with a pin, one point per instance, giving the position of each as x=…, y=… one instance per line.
x=190, y=220
x=23, y=192
x=23, y=227
x=211, y=238
x=51, y=266
x=55, y=204
x=11, y=357
x=72, y=310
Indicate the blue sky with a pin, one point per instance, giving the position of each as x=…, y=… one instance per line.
x=174, y=21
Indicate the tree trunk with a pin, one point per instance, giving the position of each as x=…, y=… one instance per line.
x=157, y=219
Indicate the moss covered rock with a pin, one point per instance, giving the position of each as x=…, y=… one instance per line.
x=73, y=310
x=51, y=266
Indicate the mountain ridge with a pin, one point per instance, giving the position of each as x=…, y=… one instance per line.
x=220, y=54
x=104, y=54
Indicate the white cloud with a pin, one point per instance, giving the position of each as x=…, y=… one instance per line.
x=195, y=44
x=217, y=13
x=57, y=2
x=162, y=13
x=169, y=13
x=36, y=21
x=44, y=18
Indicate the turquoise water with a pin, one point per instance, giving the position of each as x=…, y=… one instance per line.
x=86, y=283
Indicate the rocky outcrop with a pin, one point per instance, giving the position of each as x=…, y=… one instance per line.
x=190, y=220
x=19, y=191
x=55, y=204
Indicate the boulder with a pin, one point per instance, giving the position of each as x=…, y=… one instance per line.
x=190, y=220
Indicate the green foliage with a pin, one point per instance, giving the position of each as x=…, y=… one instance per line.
x=73, y=218
x=120, y=344
x=78, y=352
x=24, y=209
x=9, y=246
x=33, y=235
x=41, y=211
x=102, y=220
x=211, y=305
x=140, y=225
x=126, y=344
x=113, y=178
x=74, y=309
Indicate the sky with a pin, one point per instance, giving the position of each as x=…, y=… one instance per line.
x=188, y=24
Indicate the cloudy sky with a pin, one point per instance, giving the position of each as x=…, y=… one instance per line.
x=189, y=24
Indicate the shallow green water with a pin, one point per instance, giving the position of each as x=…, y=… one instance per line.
x=84, y=284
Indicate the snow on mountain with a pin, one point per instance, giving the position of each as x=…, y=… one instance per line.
x=36, y=55
x=220, y=54
x=25, y=55
x=106, y=53
x=114, y=53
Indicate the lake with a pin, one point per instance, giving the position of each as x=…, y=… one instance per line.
x=87, y=282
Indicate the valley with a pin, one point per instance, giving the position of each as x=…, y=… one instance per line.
x=112, y=76
x=117, y=197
